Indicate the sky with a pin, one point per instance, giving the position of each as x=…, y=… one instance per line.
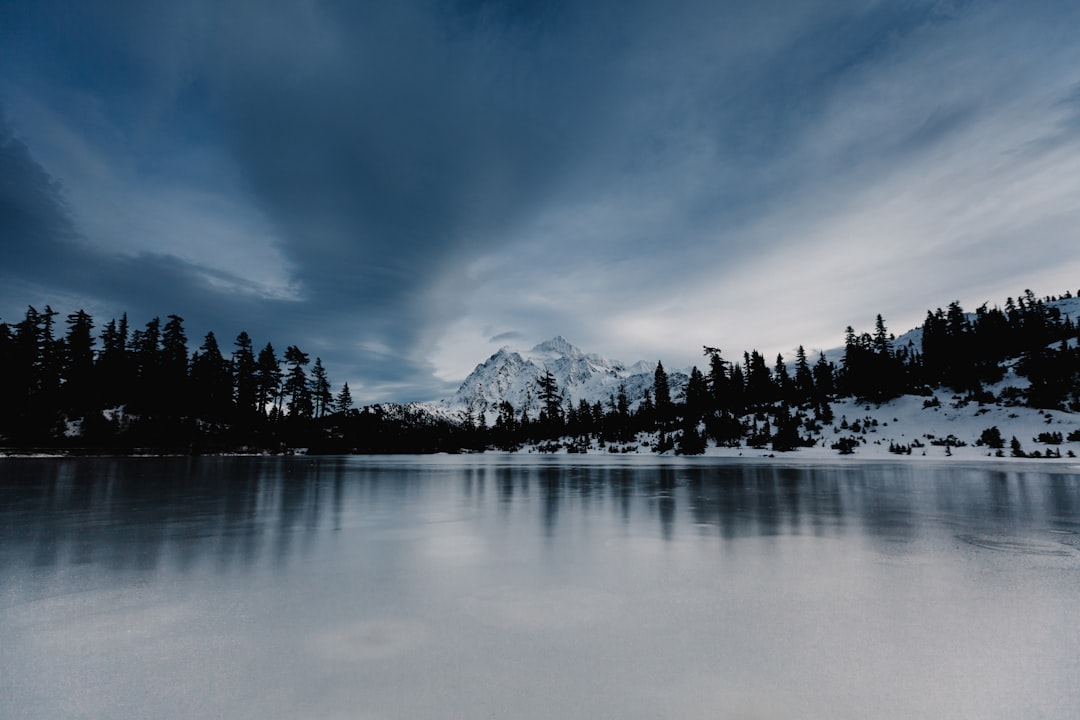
x=401, y=188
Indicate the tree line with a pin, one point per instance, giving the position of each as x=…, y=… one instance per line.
x=131, y=388
x=127, y=388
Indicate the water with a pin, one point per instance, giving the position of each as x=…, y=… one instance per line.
x=526, y=587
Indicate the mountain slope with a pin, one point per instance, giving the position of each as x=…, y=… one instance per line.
x=512, y=376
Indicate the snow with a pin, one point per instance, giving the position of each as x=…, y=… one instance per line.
x=510, y=375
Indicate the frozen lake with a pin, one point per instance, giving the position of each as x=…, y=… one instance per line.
x=537, y=587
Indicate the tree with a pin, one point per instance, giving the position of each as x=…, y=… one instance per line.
x=174, y=366
x=344, y=400
x=551, y=397
x=662, y=393
x=296, y=384
x=760, y=389
x=320, y=389
x=78, y=368
x=823, y=379
x=804, y=377
x=717, y=379
x=114, y=369
x=697, y=397
x=784, y=385
x=211, y=383
x=244, y=381
x=268, y=381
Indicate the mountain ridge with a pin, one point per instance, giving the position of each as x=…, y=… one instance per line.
x=510, y=375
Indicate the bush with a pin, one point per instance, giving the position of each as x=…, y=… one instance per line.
x=991, y=437
x=1017, y=451
x=845, y=445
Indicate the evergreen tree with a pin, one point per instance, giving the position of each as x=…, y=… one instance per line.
x=296, y=384
x=321, y=396
x=760, y=389
x=244, y=381
x=662, y=393
x=211, y=383
x=784, y=386
x=174, y=367
x=823, y=379
x=551, y=397
x=268, y=377
x=78, y=368
x=717, y=380
x=804, y=378
x=114, y=369
x=344, y=401
x=697, y=396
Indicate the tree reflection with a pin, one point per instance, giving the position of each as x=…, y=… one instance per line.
x=131, y=515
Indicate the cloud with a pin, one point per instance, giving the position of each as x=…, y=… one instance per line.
x=32, y=207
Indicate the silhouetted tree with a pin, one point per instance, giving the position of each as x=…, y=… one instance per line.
x=268, y=377
x=662, y=393
x=344, y=401
x=296, y=384
x=320, y=389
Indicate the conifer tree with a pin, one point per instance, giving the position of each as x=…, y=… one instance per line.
x=320, y=389
x=551, y=397
x=662, y=393
x=78, y=370
x=717, y=379
x=244, y=381
x=344, y=401
x=296, y=384
x=804, y=377
x=268, y=380
x=211, y=382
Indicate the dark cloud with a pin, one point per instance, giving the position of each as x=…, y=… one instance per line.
x=33, y=214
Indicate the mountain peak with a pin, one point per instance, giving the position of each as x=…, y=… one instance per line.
x=558, y=345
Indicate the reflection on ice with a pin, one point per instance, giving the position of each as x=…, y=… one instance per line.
x=536, y=588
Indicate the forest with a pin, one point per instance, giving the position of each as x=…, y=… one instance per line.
x=121, y=390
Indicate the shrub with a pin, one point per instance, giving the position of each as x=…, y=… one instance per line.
x=991, y=437
x=845, y=445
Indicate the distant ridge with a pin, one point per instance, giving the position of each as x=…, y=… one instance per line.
x=511, y=376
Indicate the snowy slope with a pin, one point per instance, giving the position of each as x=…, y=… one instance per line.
x=513, y=376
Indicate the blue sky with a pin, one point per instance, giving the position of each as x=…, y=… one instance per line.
x=401, y=188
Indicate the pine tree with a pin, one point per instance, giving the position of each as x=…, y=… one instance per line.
x=320, y=389
x=296, y=384
x=344, y=401
x=172, y=387
x=211, y=383
x=551, y=397
x=268, y=381
x=662, y=393
x=697, y=396
x=784, y=386
x=244, y=382
x=717, y=380
x=78, y=368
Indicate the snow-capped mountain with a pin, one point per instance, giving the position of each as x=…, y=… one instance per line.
x=512, y=376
